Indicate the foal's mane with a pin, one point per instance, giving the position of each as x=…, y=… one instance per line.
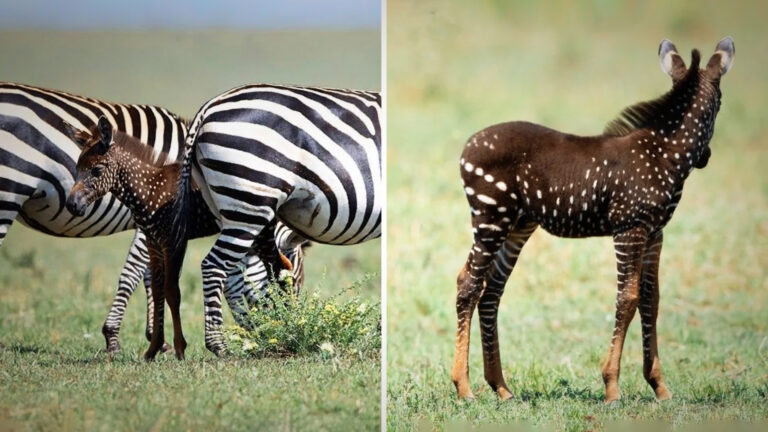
x=644, y=114
x=143, y=152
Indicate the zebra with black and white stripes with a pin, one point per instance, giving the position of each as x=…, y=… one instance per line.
x=310, y=157
x=37, y=168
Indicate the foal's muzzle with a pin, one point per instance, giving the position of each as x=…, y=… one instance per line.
x=77, y=202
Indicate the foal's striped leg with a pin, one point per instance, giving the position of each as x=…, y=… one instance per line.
x=489, y=235
x=629, y=246
x=649, y=311
x=488, y=307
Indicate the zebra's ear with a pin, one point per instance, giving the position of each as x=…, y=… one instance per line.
x=671, y=62
x=75, y=134
x=105, y=129
x=722, y=60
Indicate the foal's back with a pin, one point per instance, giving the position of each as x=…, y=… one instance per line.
x=532, y=173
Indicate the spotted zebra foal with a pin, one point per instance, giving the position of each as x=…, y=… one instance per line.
x=625, y=183
x=112, y=161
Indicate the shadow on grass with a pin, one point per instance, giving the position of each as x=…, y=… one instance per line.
x=49, y=357
x=562, y=389
x=19, y=348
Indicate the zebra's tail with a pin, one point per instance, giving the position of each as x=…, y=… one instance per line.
x=182, y=201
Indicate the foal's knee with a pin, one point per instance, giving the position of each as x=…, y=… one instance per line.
x=468, y=291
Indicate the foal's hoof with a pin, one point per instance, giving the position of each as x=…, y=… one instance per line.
x=613, y=403
x=467, y=397
x=151, y=354
x=166, y=348
x=663, y=394
x=505, y=397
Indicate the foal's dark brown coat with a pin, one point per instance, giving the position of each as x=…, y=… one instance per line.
x=625, y=183
x=112, y=161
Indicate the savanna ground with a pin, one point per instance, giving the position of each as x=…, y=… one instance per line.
x=54, y=293
x=456, y=67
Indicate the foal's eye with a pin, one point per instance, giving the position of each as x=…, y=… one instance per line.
x=96, y=171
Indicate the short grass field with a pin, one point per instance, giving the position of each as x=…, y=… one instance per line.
x=55, y=293
x=455, y=67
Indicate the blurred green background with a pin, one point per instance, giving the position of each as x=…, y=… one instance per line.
x=55, y=293
x=455, y=67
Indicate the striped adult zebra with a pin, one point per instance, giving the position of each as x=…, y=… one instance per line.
x=308, y=156
x=37, y=168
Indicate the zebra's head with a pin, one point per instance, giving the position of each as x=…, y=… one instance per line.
x=95, y=166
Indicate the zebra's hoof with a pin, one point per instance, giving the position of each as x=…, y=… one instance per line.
x=219, y=350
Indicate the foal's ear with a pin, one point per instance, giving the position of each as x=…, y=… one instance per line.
x=105, y=128
x=78, y=136
x=722, y=59
x=671, y=62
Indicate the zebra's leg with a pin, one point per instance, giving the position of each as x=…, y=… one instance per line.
x=292, y=245
x=150, y=303
x=296, y=256
x=173, y=262
x=157, y=266
x=239, y=294
x=649, y=311
x=135, y=267
x=629, y=246
x=488, y=307
x=489, y=234
x=233, y=244
x=278, y=266
x=10, y=206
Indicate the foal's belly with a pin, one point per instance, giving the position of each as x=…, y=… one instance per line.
x=575, y=229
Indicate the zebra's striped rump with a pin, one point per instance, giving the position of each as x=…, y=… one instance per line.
x=308, y=157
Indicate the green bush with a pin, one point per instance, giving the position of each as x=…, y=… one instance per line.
x=304, y=324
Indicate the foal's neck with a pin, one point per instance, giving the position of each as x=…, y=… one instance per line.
x=145, y=188
x=684, y=128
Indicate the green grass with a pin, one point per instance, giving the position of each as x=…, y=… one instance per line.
x=55, y=293
x=54, y=372
x=454, y=68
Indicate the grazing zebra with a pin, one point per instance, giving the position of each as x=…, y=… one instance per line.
x=308, y=156
x=37, y=168
x=625, y=183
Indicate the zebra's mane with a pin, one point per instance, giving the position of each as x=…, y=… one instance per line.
x=143, y=152
x=644, y=114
